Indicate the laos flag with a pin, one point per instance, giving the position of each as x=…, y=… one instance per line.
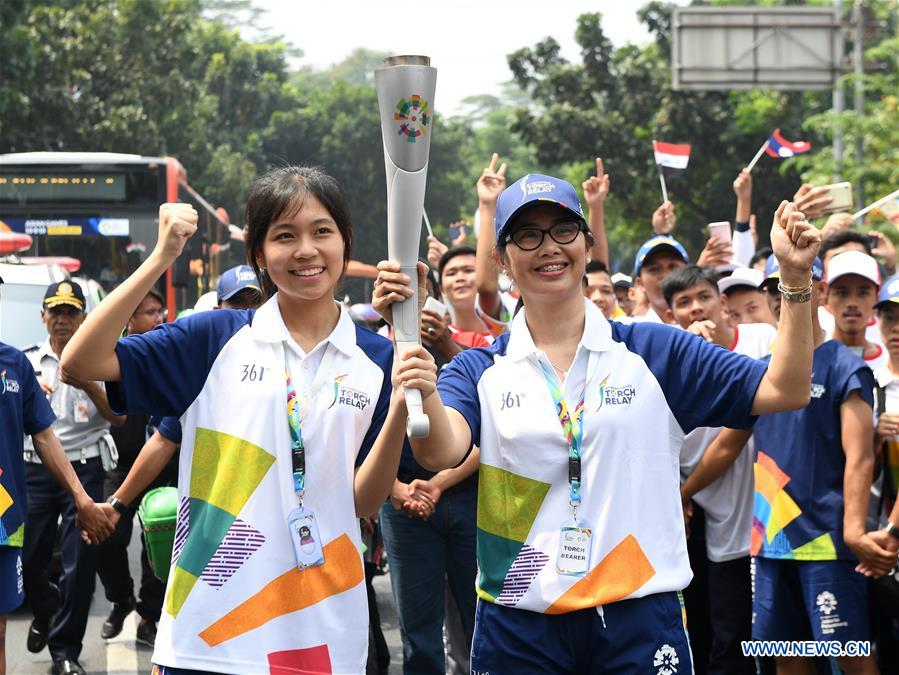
x=778, y=146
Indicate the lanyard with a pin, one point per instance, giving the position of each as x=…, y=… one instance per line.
x=572, y=430
x=295, y=417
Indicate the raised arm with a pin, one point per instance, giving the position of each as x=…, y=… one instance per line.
x=491, y=183
x=596, y=189
x=90, y=354
x=786, y=384
x=744, y=237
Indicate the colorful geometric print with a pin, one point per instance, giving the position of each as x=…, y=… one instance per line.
x=225, y=471
x=414, y=115
x=520, y=575
x=507, y=507
x=622, y=572
x=292, y=591
x=17, y=538
x=239, y=544
x=292, y=661
x=774, y=510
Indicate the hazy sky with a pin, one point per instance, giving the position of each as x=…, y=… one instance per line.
x=467, y=40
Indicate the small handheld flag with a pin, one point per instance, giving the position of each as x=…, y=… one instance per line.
x=778, y=146
x=670, y=156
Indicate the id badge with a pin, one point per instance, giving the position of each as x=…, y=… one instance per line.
x=574, y=549
x=81, y=412
x=304, y=535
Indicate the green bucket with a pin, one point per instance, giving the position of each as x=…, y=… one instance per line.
x=158, y=513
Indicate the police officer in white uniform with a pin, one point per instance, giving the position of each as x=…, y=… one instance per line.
x=82, y=424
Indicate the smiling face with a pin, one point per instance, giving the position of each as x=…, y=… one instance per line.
x=457, y=281
x=552, y=269
x=303, y=252
x=851, y=299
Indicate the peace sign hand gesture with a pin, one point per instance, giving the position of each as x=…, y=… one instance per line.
x=492, y=182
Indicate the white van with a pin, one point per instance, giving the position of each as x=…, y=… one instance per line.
x=22, y=293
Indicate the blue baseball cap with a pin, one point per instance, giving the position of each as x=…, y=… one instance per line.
x=772, y=271
x=658, y=242
x=235, y=280
x=533, y=188
x=889, y=292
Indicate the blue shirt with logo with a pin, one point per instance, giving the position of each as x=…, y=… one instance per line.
x=23, y=410
x=800, y=463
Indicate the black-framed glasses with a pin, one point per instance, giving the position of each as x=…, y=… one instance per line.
x=531, y=238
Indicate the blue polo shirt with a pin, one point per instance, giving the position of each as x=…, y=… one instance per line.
x=800, y=464
x=23, y=410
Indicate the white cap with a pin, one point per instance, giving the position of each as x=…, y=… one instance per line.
x=742, y=276
x=853, y=262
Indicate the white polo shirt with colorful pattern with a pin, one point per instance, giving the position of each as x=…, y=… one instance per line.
x=649, y=385
x=236, y=601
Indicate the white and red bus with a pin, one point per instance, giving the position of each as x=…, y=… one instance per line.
x=97, y=213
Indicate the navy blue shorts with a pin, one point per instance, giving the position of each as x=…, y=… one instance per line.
x=645, y=635
x=809, y=600
x=12, y=589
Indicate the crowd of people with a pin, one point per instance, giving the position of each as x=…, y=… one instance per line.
x=624, y=473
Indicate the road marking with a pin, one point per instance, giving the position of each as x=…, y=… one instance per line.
x=122, y=655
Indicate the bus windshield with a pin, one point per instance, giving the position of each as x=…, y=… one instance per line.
x=102, y=209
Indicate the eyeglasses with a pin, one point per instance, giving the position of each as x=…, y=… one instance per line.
x=531, y=238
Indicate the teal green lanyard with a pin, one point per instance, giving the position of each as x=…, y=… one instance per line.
x=295, y=419
x=572, y=430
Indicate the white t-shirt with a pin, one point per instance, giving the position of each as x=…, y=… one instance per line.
x=728, y=502
x=650, y=317
x=235, y=600
x=644, y=387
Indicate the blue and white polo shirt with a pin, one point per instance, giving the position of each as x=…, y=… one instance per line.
x=649, y=385
x=235, y=600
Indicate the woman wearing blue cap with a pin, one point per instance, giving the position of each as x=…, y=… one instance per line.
x=579, y=421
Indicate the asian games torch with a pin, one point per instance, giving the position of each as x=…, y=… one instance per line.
x=406, y=86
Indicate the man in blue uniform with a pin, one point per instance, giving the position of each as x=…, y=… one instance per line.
x=24, y=410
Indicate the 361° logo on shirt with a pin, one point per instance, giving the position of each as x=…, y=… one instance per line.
x=8, y=384
x=615, y=395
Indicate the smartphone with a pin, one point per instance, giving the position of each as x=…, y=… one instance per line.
x=873, y=241
x=435, y=306
x=841, y=198
x=721, y=231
